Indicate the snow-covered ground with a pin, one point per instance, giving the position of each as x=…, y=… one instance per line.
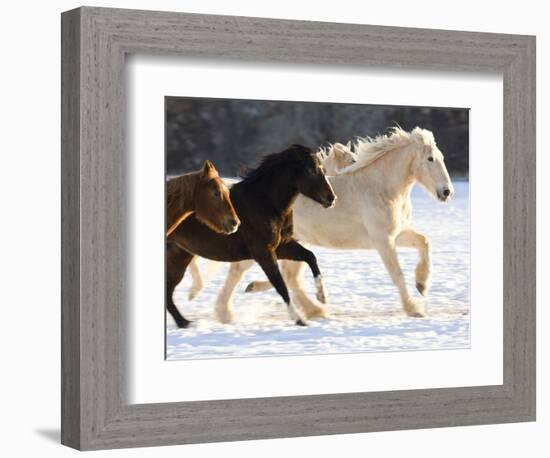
x=366, y=314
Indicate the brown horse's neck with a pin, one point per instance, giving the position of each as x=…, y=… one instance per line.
x=180, y=199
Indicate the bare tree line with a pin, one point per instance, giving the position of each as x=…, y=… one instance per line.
x=237, y=133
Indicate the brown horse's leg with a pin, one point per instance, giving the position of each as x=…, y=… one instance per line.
x=268, y=263
x=295, y=252
x=177, y=260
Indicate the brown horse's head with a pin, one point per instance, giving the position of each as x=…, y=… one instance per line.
x=213, y=205
x=312, y=181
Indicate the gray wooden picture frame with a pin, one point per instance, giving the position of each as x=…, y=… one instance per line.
x=95, y=412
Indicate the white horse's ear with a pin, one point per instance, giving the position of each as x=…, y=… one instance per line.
x=337, y=148
x=416, y=134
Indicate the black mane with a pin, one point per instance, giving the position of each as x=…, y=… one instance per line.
x=297, y=154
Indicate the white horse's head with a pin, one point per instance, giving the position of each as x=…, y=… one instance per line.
x=429, y=167
x=336, y=157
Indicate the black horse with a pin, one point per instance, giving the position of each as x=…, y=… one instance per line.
x=263, y=201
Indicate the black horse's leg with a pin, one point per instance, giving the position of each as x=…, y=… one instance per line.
x=268, y=263
x=295, y=252
x=177, y=260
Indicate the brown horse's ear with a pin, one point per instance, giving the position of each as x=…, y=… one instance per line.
x=208, y=170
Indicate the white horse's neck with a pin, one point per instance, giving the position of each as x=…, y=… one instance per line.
x=391, y=174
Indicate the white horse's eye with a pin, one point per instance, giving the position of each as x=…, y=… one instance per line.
x=431, y=159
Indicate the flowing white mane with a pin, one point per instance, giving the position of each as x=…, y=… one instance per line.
x=325, y=151
x=370, y=149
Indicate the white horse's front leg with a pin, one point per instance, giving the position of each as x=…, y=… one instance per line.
x=293, y=273
x=411, y=238
x=197, y=283
x=387, y=252
x=223, y=307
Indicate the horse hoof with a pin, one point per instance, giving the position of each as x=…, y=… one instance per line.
x=414, y=309
x=300, y=323
x=224, y=317
x=249, y=288
x=421, y=287
x=316, y=312
x=183, y=324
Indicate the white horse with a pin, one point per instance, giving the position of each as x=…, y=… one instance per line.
x=334, y=157
x=373, y=211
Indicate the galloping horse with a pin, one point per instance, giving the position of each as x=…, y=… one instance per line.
x=263, y=201
x=334, y=157
x=203, y=194
x=373, y=212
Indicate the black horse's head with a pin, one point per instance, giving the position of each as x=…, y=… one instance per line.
x=311, y=179
x=298, y=168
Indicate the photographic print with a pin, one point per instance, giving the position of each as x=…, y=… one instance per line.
x=307, y=228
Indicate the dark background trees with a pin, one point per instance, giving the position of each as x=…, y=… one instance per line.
x=237, y=133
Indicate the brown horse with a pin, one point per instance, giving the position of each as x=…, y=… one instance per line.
x=263, y=200
x=204, y=195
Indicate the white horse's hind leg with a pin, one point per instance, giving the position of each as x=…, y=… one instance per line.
x=223, y=307
x=293, y=272
x=197, y=283
x=411, y=238
x=387, y=252
x=258, y=286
